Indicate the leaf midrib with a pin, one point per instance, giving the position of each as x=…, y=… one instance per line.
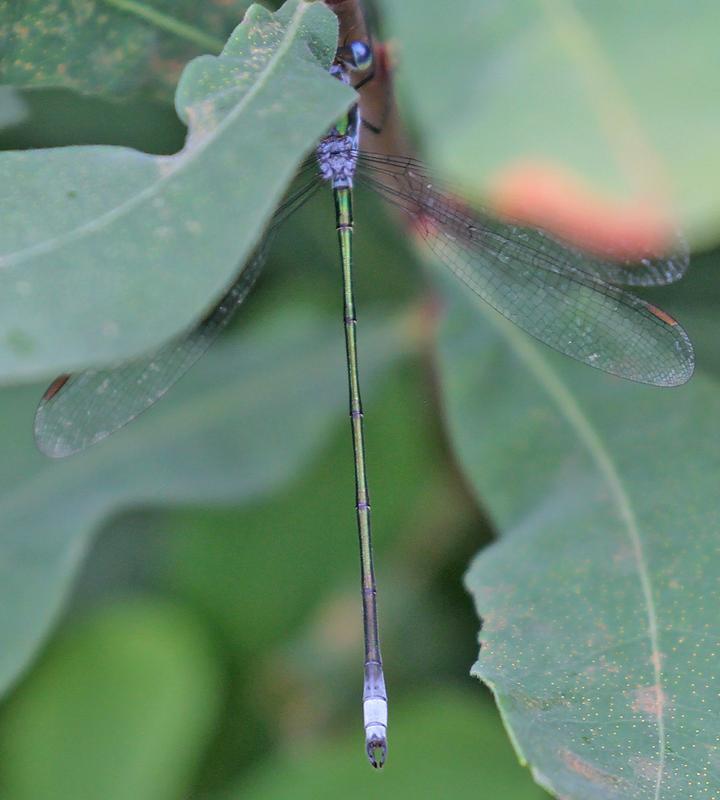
x=588, y=435
x=167, y=23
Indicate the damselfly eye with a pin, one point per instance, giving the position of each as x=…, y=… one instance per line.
x=356, y=56
x=361, y=55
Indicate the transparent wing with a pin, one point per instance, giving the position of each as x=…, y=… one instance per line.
x=79, y=410
x=410, y=179
x=552, y=291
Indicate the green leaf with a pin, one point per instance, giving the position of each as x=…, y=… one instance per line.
x=110, y=47
x=619, y=93
x=121, y=707
x=599, y=602
x=106, y=252
x=239, y=424
x=444, y=744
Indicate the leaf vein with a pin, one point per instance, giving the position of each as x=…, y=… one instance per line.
x=553, y=385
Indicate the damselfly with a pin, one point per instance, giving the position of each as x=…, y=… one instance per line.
x=566, y=298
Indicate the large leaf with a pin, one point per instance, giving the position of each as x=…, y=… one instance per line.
x=105, y=252
x=599, y=603
x=110, y=47
x=239, y=424
x=621, y=94
x=122, y=707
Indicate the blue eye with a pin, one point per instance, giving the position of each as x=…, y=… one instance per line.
x=361, y=55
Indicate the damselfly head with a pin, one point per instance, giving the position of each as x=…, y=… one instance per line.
x=356, y=56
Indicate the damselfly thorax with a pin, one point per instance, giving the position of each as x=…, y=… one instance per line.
x=337, y=152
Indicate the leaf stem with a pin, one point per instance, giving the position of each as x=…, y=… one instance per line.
x=169, y=24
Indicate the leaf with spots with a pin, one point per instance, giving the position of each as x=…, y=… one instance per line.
x=110, y=47
x=599, y=601
x=107, y=252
